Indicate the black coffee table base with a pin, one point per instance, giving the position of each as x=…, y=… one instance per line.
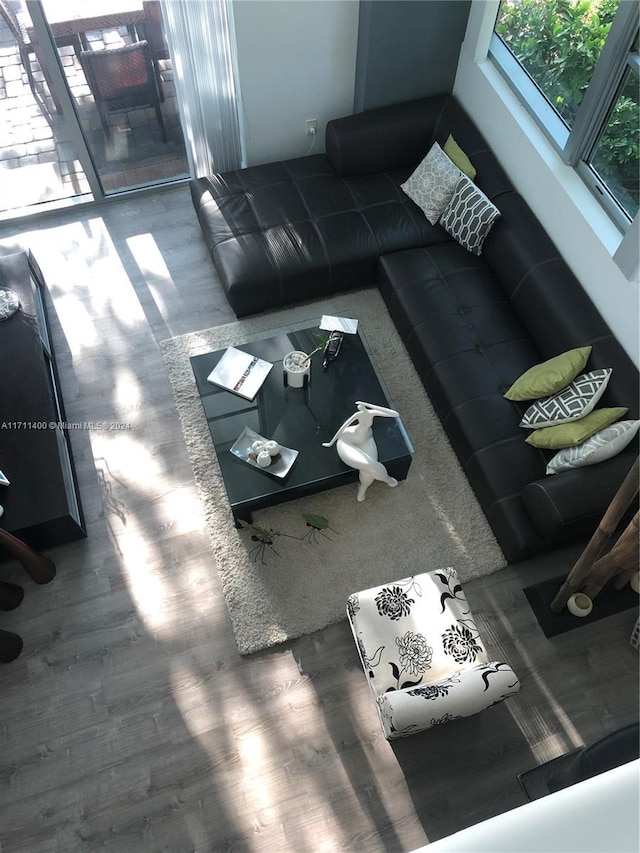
x=399, y=469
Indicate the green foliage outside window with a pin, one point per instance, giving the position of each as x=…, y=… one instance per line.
x=558, y=43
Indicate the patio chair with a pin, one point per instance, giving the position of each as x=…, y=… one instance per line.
x=122, y=78
x=19, y=30
x=153, y=31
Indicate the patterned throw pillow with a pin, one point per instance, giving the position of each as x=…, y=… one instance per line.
x=574, y=402
x=603, y=445
x=433, y=182
x=469, y=216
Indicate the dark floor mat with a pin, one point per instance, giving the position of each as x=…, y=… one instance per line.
x=608, y=602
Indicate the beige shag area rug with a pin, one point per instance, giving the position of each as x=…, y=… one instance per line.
x=429, y=520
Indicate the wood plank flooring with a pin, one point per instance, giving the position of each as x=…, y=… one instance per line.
x=130, y=723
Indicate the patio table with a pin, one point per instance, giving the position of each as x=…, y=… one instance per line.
x=70, y=17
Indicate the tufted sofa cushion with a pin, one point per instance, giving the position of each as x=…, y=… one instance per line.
x=472, y=325
x=295, y=230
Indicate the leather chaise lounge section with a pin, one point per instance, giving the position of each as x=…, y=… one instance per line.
x=301, y=229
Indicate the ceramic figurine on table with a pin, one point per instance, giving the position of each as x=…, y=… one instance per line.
x=357, y=448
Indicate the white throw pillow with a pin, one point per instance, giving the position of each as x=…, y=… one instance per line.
x=603, y=445
x=432, y=183
x=573, y=402
x=469, y=216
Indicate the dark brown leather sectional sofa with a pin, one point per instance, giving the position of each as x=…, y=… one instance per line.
x=305, y=228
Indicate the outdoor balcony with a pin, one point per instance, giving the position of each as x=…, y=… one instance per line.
x=38, y=162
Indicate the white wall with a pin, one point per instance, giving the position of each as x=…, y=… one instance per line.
x=598, y=814
x=573, y=218
x=296, y=61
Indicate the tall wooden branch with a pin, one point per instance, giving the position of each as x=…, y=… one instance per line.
x=598, y=542
x=620, y=563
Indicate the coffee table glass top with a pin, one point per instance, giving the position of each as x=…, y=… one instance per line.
x=301, y=419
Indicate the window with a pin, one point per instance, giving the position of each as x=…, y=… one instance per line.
x=574, y=63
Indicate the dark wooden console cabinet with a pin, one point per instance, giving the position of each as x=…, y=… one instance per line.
x=42, y=503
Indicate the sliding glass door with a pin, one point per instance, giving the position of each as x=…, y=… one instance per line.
x=38, y=160
x=88, y=106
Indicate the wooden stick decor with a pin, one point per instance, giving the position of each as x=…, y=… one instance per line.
x=592, y=570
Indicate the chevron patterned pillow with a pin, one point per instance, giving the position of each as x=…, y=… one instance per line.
x=469, y=216
x=573, y=402
x=603, y=445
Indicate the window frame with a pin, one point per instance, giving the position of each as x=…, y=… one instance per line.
x=575, y=145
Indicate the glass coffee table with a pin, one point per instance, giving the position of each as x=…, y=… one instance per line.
x=301, y=419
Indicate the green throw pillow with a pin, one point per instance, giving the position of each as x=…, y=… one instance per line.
x=574, y=433
x=550, y=376
x=455, y=153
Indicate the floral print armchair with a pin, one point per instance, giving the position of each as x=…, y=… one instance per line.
x=422, y=655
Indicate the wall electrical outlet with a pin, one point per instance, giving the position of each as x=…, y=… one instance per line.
x=312, y=126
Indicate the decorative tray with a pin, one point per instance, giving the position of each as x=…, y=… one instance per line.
x=282, y=463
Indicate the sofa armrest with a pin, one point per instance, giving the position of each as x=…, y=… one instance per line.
x=466, y=692
x=379, y=140
x=569, y=500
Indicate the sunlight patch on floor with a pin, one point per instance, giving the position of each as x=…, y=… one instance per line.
x=147, y=590
x=145, y=250
x=550, y=734
x=127, y=392
x=138, y=478
x=128, y=457
x=93, y=293
x=77, y=324
x=134, y=473
x=553, y=746
x=182, y=508
x=462, y=550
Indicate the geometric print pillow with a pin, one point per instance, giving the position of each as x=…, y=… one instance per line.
x=432, y=183
x=573, y=402
x=469, y=216
x=603, y=445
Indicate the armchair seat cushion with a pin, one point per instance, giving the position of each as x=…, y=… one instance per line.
x=414, y=630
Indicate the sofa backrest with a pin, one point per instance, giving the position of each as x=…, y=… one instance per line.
x=552, y=304
x=399, y=137
x=491, y=178
x=384, y=139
